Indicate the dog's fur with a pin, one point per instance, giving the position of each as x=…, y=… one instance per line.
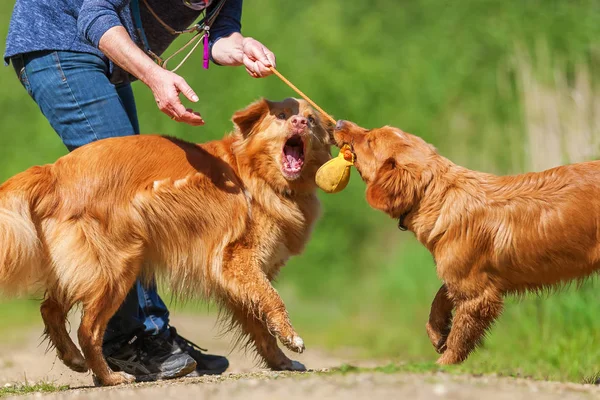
x=489, y=235
x=218, y=219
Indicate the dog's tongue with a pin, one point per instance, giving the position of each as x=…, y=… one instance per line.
x=292, y=155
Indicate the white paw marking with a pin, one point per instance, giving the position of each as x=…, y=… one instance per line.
x=129, y=378
x=299, y=343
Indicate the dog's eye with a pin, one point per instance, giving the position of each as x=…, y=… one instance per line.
x=311, y=120
x=281, y=115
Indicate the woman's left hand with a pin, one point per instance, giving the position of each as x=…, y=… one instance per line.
x=236, y=50
x=257, y=58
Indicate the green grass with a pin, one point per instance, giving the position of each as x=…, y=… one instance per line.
x=26, y=388
x=18, y=313
x=431, y=367
x=391, y=368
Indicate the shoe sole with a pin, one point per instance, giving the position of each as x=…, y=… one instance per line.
x=186, y=370
x=197, y=373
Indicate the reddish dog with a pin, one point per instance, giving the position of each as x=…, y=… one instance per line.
x=489, y=235
x=218, y=219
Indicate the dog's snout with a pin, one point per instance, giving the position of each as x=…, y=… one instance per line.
x=299, y=122
x=340, y=124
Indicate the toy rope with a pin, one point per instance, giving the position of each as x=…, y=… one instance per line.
x=305, y=97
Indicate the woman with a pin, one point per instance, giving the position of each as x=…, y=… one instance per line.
x=77, y=59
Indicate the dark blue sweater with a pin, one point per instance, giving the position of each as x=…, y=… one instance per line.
x=78, y=25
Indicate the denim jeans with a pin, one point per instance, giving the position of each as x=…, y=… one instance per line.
x=74, y=93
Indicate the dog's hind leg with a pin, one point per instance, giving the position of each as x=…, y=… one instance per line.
x=54, y=315
x=98, y=306
x=264, y=342
x=440, y=319
x=95, y=315
x=473, y=316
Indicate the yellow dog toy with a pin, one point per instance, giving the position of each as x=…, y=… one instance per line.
x=333, y=176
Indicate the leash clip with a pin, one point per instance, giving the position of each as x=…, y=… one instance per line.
x=206, y=45
x=401, y=225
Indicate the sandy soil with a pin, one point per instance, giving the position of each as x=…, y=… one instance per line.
x=24, y=358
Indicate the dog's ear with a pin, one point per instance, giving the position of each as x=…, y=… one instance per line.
x=393, y=190
x=245, y=120
x=328, y=126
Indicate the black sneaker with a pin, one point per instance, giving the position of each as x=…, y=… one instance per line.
x=206, y=364
x=149, y=358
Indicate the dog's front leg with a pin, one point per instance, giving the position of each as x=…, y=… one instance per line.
x=249, y=293
x=474, y=315
x=440, y=319
x=263, y=341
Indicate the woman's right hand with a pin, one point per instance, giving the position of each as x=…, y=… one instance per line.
x=166, y=87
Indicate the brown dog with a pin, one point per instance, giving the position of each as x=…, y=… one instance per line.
x=489, y=235
x=218, y=219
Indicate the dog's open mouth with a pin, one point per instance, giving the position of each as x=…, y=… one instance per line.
x=293, y=157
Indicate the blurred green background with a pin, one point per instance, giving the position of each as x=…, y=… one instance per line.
x=499, y=86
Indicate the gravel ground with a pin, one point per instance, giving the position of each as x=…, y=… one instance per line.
x=244, y=380
x=269, y=385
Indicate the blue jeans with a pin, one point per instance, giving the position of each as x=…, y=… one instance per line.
x=74, y=93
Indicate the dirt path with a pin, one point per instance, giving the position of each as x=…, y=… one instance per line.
x=26, y=359
x=246, y=381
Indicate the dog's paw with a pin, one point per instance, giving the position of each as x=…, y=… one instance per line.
x=438, y=339
x=450, y=358
x=294, y=343
x=76, y=363
x=114, y=378
x=441, y=347
x=127, y=377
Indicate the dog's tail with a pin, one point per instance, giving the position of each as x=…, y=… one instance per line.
x=21, y=250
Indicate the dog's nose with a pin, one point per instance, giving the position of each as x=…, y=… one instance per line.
x=340, y=124
x=299, y=122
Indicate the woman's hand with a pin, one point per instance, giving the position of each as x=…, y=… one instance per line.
x=257, y=58
x=166, y=87
x=236, y=50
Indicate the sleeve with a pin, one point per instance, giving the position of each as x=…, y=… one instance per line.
x=98, y=16
x=227, y=22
